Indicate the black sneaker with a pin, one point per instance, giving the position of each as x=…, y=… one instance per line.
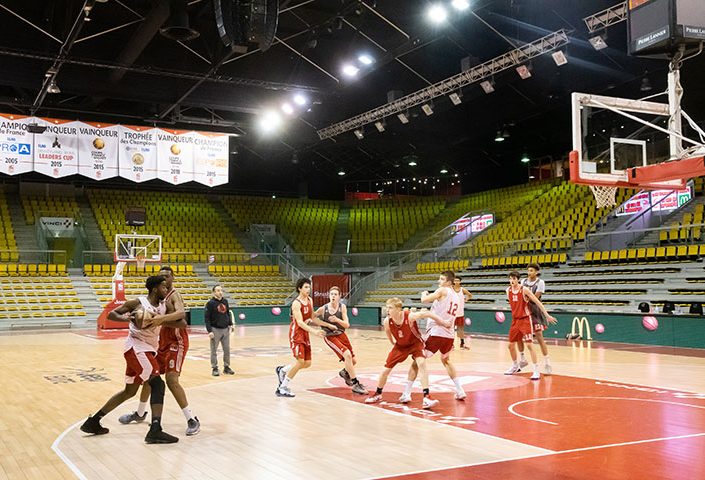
x=157, y=435
x=92, y=425
x=228, y=371
x=216, y=373
x=345, y=376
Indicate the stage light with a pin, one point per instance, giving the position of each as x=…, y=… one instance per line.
x=525, y=158
x=499, y=137
x=460, y=4
x=456, y=98
x=560, y=58
x=487, y=86
x=427, y=109
x=350, y=70
x=403, y=118
x=443, y=170
x=287, y=108
x=341, y=173
x=359, y=133
x=523, y=72
x=380, y=126
x=365, y=59
x=270, y=122
x=598, y=42
x=300, y=100
x=437, y=13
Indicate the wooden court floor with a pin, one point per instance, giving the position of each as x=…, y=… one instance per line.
x=607, y=412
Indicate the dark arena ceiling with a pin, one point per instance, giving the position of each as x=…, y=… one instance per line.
x=120, y=68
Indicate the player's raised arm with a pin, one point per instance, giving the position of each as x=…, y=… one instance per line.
x=431, y=297
x=532, y=298
x=415, y=316
x=299, y=318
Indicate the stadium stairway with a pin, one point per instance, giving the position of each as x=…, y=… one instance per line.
x=225, y=217
x=420, y=237
x=87, y=296
x=342, y=234
x=652, y=238
x=95, y=238
x=25, y=235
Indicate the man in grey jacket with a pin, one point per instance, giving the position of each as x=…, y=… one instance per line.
x=219, y=324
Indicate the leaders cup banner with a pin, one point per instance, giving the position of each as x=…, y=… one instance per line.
x=98, y=150
x=56, y=150
x=175, y=156
x=137, y=151
x=16, y=145
x=210, y=158
x=322, y=285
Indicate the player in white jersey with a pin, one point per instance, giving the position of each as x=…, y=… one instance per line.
x=440, y=337
x=463, y=295
x=538, y=288
x=145, y=315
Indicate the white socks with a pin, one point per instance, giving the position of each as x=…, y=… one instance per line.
x=187, y=413
x=523, y=357
x=286, y=381
x=286, y=368
x=457, y=383
x=409, y=386
x=536, y=367
x=547, y=360
x=142, y=409
x=515, y=363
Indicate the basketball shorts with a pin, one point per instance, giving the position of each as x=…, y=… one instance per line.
x=301, y=351
x=141, y=366
x=540, y=322
x=460, y=322
x=439, y=344
x=399, y=354
x=521, y=330
x=339, y=344
x=171, y=359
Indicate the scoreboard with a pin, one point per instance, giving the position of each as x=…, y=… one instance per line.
x=660, y=27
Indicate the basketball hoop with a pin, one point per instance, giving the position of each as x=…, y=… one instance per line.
x=604, y=196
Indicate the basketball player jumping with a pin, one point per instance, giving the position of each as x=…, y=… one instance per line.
x=334, y=320
x=522, y=324
x=145, y=315
x=299, y=340
x=173, y=345
x=403, y=333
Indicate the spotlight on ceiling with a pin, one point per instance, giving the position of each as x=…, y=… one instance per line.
x=412, y=163
x=341, y=172
x=350, y=70
x=437, y=13
x=525, y=158
x=460, y=4
x=427, y=108
x=359, y=133
x=403, y=117
x=300, y=100
x=523, y=72
x=53, y=87
x=270, y=122
x=560, y=58
x=379, y=126
x=487, y=86
x=365, y=59
x=456, y=98
x=443, y=170
x=287, y=108
x=499, y=137
x=598, y=42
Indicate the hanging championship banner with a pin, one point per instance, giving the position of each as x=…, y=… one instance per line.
x=210, y=158
x=175, y=156
x=16, y=145
x=98, y=150
x=56, y=150
x=137, y=153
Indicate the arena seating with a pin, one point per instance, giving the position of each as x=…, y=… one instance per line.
x=383, y=225
x=435, y=267
x=190, y=226
x=682, y=253
x=36, y=206
x=8, y=245
x=251, y=285
x=308, y=225
x=682, y=230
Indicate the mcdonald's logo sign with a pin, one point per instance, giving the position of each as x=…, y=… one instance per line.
x=582, y=323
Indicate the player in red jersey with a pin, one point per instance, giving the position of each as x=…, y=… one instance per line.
x=403, y=333
x=173, y=345
x=299, y=340
x=522, y=326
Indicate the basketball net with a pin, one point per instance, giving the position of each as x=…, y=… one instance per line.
x=604, y=196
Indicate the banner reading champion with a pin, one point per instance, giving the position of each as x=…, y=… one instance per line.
x=98, y=150
x=210, y=158
x=138, y=153
x=16, y=145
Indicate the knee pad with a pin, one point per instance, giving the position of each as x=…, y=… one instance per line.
x=157, y=397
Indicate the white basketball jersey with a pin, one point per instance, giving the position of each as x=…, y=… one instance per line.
x=446, y=308
x=461, y=303
x=145, y=339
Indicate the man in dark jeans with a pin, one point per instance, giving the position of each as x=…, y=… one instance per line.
x=219, y=324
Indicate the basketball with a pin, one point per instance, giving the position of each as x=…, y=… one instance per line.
x=241, y=316
x=468, y=322
x=650, y=323
x=499, y=316
x=354, y=311
x=599, y=328
x=276, y=311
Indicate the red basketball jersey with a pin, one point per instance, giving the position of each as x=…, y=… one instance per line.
x=519, y=304
x=296, y=333
x=170, y=337
x=406, y=334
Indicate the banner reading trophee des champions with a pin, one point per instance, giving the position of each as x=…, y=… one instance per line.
x=98, y=150
x=16, y=145
x=138, y=153
x=56, y=150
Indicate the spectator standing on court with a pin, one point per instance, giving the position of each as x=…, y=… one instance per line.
x=219, y=324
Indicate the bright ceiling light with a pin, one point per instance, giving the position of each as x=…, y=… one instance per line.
x=487, y=86
x=427, y=109
x=287, y=108
x=560, y=58
x=523, y=72
x=525, y=158
x=350, y=70
x=403, y=118
x=412, y=164
x=499, y=137
x=437, y=13
x=444, y=170
x=359, y=133
x=460, y=4
x=270, y=122
x=300, y=100
x=456, y=98
x=365, y=59
x=341, y=173
x=598, y=42
x=379, y=126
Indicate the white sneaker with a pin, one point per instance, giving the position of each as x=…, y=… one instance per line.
x=374, y=399
x=512, y=370
x=429, y=403
x=405, y=398
x=536, y=375
x=549, y=369
x=523, y=363
x=460, y=395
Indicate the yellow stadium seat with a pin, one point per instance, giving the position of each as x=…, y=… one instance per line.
x=588, y=256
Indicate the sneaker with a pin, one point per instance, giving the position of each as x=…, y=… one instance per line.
x=464, y=347
x=345, y=376
x=405, y=398
x=549, y=369
x=157, y=435
x=280, y=373
x=284, y=392
x=193, y=426
x=132, y=417
x=523, y=363
x=215, y=372
x=92, y=425
x=512, y=370
x=228, y=371
x=359, y=389
x=460, y=395
x=428, y=402
x=536, y=375
x=374, y=398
